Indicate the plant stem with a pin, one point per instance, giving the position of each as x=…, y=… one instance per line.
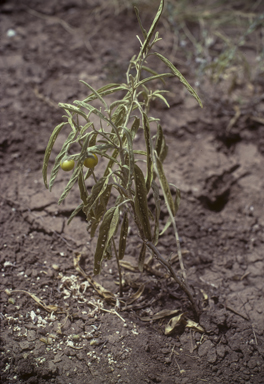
x=119, y=270
x=183, y=284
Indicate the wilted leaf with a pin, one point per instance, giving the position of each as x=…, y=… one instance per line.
x=193, y=325
x=160, y=315
x=136, y=295
x=129, y=266
x=98, y=287
x=174, y=323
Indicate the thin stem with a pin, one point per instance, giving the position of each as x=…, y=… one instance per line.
x=179, y=251
x=183, y=284
x=119, y=270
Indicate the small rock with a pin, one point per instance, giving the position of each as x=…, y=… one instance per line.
x=31, y=335
x=52, y=367
x=208, y=349
x=221, y=350
x=165, y=351
x=212, y=357
x=58, y=358
x=24, y=345
x=205, y=348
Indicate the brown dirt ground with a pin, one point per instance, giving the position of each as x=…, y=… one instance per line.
x=219, y=170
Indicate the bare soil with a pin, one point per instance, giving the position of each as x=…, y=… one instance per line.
x=216, y=162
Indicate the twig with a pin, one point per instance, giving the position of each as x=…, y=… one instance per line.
x=236, y=312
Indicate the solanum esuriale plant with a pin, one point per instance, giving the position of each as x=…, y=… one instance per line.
x=109, y=131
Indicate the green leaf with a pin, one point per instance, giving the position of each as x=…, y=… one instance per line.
x=177, y=73
x=123, y=237
x=96, y=192
x=150, y=70
x=144, y=32
x=167, y=225
x=160, y=76
x=72, y=108
x=75, y=212
x=119, y=115
x=97, y=94
x=141, y=204
x=141, y=258
x=106, y=232
x=134, y=127
x=50, y=145
x=100, y=208
x=157, y=94
x=152, y=28
x=106, y=90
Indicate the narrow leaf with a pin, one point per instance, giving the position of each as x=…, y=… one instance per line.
x=123, y=237
x=97, y=94
x=159, y=76
x=106, y=232
x=141, y=204
x=144, y=32
x=51, y=142
x=134, y=127
x=106, y=90
x=96, y=192
x=162, y=98
x=150, y=70
x=72, y=108
x=75, y=212
x=100, y=208
x=177, y=73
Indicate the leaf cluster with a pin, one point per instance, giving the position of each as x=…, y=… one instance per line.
x=110, y=131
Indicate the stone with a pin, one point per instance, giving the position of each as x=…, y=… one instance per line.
x=221, y=350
